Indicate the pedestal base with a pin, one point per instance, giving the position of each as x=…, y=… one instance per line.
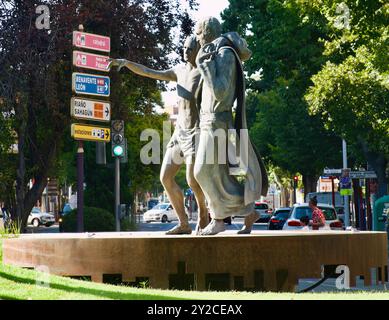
x=262, y=261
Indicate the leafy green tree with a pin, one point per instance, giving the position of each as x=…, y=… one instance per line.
x=350, y=92
x=287, y=52
x=35, y=86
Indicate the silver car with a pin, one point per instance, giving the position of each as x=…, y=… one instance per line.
x=37, y=218
x=303, y=210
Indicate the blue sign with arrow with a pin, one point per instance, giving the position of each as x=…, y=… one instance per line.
x=90, y=84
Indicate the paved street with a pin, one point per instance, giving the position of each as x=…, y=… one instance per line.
x=42, y=229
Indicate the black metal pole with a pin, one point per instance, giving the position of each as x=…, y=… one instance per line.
x=80, y=187
x=333, y=191
x=117, y=192
x=294, y=194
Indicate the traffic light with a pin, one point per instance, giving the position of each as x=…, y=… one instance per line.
x=295, y=181
x=117, y=138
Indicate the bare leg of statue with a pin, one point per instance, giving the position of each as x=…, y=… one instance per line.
x=169, y=169
x=202, y=220
x=249, y=220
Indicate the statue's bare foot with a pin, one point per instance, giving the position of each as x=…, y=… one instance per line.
x=201, y=225
x=244, y=230
x=178, y=229
x=198, y=230
x=248, y=223
x=214, y=227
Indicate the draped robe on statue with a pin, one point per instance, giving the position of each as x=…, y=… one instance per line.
x=222, y=84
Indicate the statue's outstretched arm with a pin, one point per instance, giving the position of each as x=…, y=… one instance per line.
x=164, y=75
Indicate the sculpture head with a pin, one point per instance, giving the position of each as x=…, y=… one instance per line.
x=207, y=30
x=191, y=48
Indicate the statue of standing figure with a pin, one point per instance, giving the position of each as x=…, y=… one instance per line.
x=182, y=146
x=213, y=80
x=222, y=83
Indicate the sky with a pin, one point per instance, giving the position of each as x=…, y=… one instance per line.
x=210, y=8
x=206, y=8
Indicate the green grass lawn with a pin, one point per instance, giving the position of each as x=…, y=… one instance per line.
x=18, y=283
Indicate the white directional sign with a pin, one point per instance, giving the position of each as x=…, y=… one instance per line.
x=332, y=171
x=88, y=109
x=363, y=175
x=352, y=174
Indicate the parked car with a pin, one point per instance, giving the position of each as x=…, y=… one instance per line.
x=264, y=211
x=162, y=212
x=302, y=210
x=152, y=203
x=67, y=208
x=340, y=213
x=37, y=218
x=326, y=197
x=278, y=219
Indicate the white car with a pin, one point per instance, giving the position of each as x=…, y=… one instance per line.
x=37, y=218
x=262, y=208
x=162, y=212
x=265, y=213
x=302, y=210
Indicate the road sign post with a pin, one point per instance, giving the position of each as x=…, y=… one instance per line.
x=88, y=109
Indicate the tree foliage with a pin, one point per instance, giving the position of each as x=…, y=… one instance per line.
x=35, y=86
x=351, y=91
x=287, y=52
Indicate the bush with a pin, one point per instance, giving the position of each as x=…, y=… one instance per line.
x=128, y=225
x=95, y=220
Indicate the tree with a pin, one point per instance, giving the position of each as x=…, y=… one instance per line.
x=36, y=71
x=287, y=52
x=34, y=86
x=350, y=92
